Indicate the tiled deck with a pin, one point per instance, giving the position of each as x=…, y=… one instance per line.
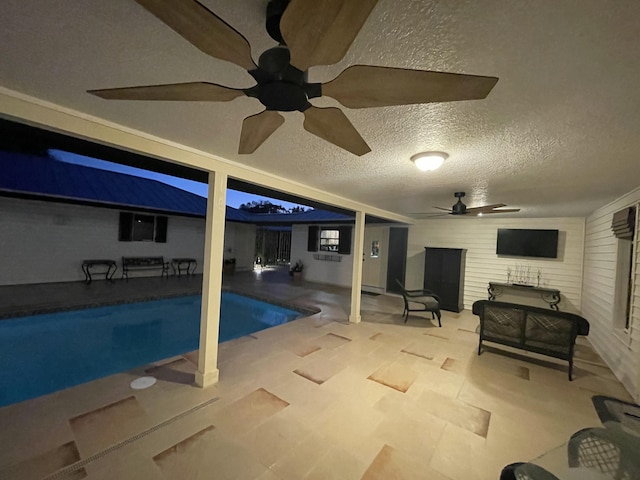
x=317, y=398
x=17, y=300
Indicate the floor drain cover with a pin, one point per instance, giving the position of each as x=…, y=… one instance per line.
x=143, y=382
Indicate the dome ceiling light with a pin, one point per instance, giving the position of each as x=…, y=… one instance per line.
x=427, y=161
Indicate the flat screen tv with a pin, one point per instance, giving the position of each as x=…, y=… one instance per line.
x=527, y=243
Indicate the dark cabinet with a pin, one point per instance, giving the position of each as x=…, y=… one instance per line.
x=444, y=276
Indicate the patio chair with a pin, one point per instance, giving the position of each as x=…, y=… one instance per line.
x=525, y=471
x=610, y=451
x=428, y=301
x=611, y=409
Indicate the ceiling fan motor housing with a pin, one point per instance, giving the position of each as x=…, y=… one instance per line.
x=459, y=208
x=281, y=86
x=283, y=97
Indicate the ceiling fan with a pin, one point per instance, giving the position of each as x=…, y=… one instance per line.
x=309, y=33
x=460, y=208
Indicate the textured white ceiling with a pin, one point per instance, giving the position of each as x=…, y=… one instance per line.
x=557, y=136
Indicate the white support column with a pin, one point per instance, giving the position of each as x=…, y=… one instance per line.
x=356, y=277
x=208, y=373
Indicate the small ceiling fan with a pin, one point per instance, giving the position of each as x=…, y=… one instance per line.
x=309, y=32
x=460, y=208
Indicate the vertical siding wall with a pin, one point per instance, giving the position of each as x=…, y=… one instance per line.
x=44, y=242
x=619, y=349
x=479, y=235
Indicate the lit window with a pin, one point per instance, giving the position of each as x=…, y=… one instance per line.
x=329, y=240
x=375, y=249
x=336, y=239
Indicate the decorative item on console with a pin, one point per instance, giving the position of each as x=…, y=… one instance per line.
x=521, y=274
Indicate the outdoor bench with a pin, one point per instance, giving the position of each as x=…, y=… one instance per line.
x=144, y=263
x=534, y=329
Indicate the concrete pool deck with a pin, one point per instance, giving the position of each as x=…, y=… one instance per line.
x=317, y=398
x=33, y=299
x=20, y=300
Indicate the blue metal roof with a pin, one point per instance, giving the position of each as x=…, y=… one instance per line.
x=35, y=175
x=32, y=175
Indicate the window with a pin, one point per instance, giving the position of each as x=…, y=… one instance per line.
x=375, y=249
x=143, y=227
x=623, y=283
x=624, y=229
x=136, y=227
x=329, y=240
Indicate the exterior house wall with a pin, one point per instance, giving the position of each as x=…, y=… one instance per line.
x=478, y=236
x=620, y=349
x=43, y=242
x=320, y=271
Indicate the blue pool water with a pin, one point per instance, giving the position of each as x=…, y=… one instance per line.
x=44, y=353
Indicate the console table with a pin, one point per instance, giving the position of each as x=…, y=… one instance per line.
x=549, y=295
x=87, y=264
x=180, y=265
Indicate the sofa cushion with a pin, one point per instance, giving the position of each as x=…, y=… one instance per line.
x=549, y=332
x=428, y=301
x=503, y=323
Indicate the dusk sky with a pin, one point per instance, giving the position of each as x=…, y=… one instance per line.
x=234, y=198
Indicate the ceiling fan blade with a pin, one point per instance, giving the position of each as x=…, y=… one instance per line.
x=427, y=214
x=257, y=128
x=485, y=208
x=332, y=125
x=194, y=92
x=506, y=210
x=362, y=86
x=445, y=209
x=320, y=32
x=203, y=29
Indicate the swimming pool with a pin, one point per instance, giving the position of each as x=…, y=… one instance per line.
x=41, y=354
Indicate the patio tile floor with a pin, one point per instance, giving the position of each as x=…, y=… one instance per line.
x=395, y=400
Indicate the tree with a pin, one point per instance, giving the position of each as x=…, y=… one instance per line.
x=263, y=206
x=297, y=209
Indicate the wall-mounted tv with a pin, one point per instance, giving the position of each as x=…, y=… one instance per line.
x=527, y=243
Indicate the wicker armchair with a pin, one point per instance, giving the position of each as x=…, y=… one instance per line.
x=426, y=299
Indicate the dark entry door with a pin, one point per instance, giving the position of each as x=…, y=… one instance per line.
x=397, y=263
